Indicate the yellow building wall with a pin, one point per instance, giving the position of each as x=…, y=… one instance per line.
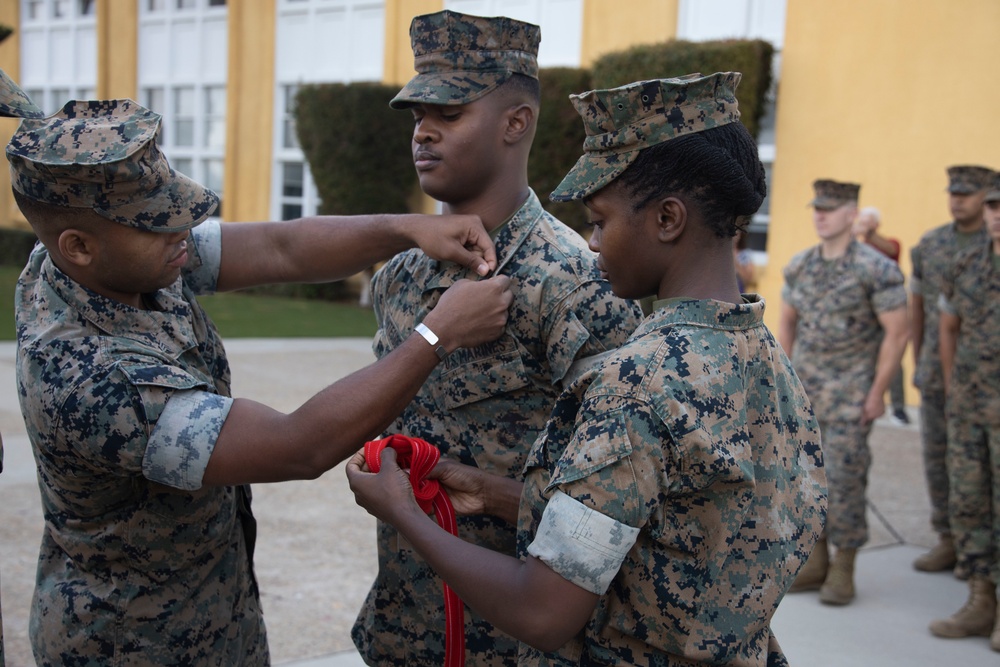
x=886, y=93
x=249, y=110
x=10, y=62
x=117, y=49
x=607, y=28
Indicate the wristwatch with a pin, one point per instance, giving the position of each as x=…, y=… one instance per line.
x=431, y=338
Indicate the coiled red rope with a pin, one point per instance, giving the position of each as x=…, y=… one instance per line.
x=420, y=457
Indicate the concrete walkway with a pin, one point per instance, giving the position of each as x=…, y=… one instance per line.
x=316, y=554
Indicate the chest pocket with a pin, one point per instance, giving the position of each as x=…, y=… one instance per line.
x=846, y=315
x=487, y=371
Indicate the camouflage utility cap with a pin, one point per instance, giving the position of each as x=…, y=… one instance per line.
x=102, y=155
x=993, y=194
x=620, y=122
x=968, y=178
x=831, y=194
x=14, y=103
x=459, y=58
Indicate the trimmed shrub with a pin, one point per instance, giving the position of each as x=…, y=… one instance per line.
x=15, y=246
x=558, y=140
x=357, y=147
x=678, y=57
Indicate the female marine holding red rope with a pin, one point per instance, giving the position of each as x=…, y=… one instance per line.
x=678, y=489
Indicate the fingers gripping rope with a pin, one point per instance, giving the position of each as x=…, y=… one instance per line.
x=420, y=457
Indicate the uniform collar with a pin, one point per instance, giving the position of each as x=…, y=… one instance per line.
x=510, y=236
x=708, y=313
x=169, y=328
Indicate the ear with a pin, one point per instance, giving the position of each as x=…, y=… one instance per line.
x=671, y=219
x=520, y=120
x=77, y=247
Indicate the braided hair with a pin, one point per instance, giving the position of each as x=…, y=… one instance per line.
x=718, y=169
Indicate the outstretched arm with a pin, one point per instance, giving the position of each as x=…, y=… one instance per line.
x=525, y=599
x=326, y=248
x=259, y=444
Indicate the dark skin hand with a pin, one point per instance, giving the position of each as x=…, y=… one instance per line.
x=526, y=599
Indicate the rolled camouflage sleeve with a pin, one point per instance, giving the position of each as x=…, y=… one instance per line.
x=580, y=544
x=889, y=292
x=184, y=438
x=201, y=273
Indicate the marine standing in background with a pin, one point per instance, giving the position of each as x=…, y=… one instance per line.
x=14, y=103
x=843, y=322
x=970, y=365
x=475, y=102
x=931, y=259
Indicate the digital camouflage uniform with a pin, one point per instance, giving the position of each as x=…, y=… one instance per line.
x=14, y=103
x=139, y=563
x=482, y=406
x=931, y=258
x=971, y=291
x=837, y=341
x=697, y=433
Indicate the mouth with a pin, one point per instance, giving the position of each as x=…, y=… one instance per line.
x=424, y=159
x=180, y=259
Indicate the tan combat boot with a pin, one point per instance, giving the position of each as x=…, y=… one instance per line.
x=839, y=585
x=941, y=557
x=975, y=618
x=813, y=573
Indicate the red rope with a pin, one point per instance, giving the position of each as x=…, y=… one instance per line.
x=420, y=457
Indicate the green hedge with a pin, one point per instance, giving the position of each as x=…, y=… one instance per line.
x=357, y=147
x=558, y=140
x=678, y=57
x=15, y=246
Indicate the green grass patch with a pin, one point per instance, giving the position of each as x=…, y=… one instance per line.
x=244, y=316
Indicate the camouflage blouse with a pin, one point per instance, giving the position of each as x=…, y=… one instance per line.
x=484, y=407
x=698, y=434
x=971, y=291
x=932, y=259
x=138, y=564
x=837, y=336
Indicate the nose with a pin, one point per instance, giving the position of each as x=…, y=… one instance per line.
x=594, y=243
x=423, y=131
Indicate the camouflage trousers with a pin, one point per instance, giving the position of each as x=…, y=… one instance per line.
x=974, y=475
x=934, y=435
x=846, y=458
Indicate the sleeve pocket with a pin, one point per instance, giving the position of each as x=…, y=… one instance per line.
x=595, y=444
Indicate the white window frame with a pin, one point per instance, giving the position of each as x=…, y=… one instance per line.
x=200, y=161
x=58, y=83
x=308, y=203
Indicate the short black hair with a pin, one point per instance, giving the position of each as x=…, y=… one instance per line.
x=522, y=85
x=718, y=169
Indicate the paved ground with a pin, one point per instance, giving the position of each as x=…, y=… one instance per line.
x=316, y=556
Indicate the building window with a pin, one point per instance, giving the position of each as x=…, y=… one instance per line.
x=58, y=51
x=182, y=76
x=183, y=116
x=318, y=41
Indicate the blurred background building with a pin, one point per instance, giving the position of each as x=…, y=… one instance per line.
x=887, y=93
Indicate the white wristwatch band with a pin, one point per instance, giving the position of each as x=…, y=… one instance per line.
x=431, y=338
